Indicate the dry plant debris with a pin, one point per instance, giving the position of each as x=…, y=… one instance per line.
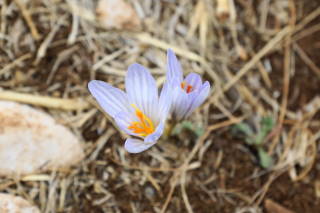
x=261, y=56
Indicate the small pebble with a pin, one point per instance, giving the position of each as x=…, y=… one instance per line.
x=31, y=141
x=15, y=204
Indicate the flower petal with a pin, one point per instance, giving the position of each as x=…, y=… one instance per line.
x=194, y=80
x=111, y=99
x=124, y=120
x=142, y=89
x=135, y=145
x=152, y=138
x=181, y=104
x=173, y=67
x=165, y=101
x=199, y=98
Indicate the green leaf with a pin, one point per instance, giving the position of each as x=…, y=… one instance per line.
x=177, y=129
x=198, y=130
x=187, y=125
x=259, y=138
x=267, y=125
x=265, y=160
x=244, y=128
x=249, y=140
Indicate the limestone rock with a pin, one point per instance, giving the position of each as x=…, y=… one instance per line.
x=31, y=141
x=14, y=204
x=117, y=14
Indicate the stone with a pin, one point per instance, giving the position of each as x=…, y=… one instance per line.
x=31, y=141
x=117, y=14
x=15, y=204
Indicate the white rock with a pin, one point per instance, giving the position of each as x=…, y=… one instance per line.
x=31, y=141
x=117, y=14
x=14, y=204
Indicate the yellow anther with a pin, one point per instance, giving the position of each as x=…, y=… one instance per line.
x=144, y=126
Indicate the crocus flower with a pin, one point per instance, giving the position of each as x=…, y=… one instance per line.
x=189, y=93
x=139, y=111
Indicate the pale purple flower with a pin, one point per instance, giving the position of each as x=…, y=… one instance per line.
x=139, y=111
x=189, y=93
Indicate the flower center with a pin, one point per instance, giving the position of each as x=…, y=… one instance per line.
x=187, y=87
x=144, y=126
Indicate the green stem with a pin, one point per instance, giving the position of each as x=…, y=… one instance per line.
x=168, y=129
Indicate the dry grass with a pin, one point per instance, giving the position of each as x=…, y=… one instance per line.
x=51, y=49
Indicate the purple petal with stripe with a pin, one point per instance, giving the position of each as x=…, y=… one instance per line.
x=194, y=80
x=124, y=120
x=136, y=146
x=181, y=104
x=165, y=102
x=142, y=89
x=173, y=67
x=111, y=99
x=199, y=98
x=156, y=134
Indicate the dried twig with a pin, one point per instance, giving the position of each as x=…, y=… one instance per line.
x=44, y=101
x=313, y=67
x=27, y=16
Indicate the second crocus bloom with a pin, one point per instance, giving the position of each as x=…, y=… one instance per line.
x=188, y=93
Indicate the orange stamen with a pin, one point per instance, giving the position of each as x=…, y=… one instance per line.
x=144, y=126
x=183, y=84
x=187, y=87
